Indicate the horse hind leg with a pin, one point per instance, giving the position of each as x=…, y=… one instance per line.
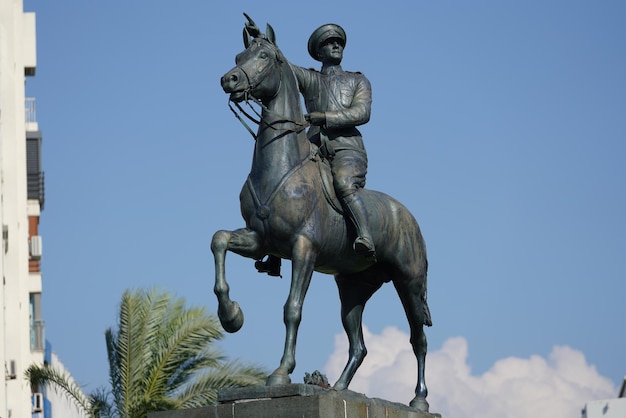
x=412, y=295
x=419, y=343
x=354, y=292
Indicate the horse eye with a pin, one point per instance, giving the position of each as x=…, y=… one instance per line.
x=263, y=55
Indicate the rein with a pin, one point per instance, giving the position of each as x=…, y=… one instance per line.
x=260, y=121
x=243, y=122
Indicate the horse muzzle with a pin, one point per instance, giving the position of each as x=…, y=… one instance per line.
x=236, y=84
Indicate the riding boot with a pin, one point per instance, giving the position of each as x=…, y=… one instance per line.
x=357, y=212
x=271, y=266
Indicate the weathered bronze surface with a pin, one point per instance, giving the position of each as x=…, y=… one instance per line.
x=294, y=208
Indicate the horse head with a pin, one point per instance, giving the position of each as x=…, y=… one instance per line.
x=257, y=72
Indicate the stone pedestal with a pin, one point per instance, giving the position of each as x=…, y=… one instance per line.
x=296, y=401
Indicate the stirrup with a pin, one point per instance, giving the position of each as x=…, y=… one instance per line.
x=271, y=266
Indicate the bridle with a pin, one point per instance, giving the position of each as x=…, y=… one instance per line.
x=248, y=98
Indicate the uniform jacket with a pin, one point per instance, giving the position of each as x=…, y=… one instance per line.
x=346, y=99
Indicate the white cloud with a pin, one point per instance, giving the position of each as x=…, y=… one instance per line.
x=558, y=386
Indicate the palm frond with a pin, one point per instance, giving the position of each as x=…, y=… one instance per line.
x=115, y=376
x=203, y=390
x=49, y=376
x=184, y=350
x=203, y=361
x=141, y=312
x=100, y=405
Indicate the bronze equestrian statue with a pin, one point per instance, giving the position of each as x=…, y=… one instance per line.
x=292, y=211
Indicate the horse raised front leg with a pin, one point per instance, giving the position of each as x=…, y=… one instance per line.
x=302, y=264
x=244, y=242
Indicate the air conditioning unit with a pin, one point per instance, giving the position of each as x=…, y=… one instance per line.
x=35, y=247
x=37, y=402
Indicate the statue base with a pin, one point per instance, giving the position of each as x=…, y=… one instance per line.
x=296, y=400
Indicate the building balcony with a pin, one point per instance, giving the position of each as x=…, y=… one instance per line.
x=34, y=170
x=36, y=187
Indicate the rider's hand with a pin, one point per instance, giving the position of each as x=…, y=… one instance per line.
x=316, y=118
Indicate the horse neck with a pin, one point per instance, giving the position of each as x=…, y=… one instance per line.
x=281, y=141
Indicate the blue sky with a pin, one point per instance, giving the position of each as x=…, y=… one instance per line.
x=501, y=125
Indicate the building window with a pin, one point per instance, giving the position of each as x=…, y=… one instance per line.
x=34, y=172
x=37, y=339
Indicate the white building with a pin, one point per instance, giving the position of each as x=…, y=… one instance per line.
x=22, y=340
x=55, y=404
x=607, y=408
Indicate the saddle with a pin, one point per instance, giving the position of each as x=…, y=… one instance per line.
x=327, y=178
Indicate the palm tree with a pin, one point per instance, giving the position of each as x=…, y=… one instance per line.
x=161, y=357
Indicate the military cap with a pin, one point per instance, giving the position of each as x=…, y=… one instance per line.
x=323, y=33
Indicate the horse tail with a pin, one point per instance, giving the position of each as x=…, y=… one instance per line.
x=426, y=310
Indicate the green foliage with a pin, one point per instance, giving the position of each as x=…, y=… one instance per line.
x=43, y=375
x=161, y=357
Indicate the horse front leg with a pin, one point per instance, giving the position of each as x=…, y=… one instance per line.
x=243, y=242
x=354, y=293
x=302, y=265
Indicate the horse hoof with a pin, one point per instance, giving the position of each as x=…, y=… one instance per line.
x=420, y=404
x=278, y=379
x=231, y=318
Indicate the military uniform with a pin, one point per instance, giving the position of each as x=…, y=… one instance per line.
x=346, y=99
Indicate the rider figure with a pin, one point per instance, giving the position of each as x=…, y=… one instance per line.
x=336, y=101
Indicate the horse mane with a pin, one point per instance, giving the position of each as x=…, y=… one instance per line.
x=288, y=71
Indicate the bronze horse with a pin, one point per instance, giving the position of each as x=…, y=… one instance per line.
x=290, y=211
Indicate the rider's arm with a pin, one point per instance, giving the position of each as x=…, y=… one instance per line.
x=304, y=77
x=358, y=111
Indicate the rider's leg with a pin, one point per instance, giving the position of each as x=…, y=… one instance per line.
x=349, y=168
x=357, y=212
x=270, y=266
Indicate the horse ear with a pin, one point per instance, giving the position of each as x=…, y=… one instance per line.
x=246, y=38
x=271, y=36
